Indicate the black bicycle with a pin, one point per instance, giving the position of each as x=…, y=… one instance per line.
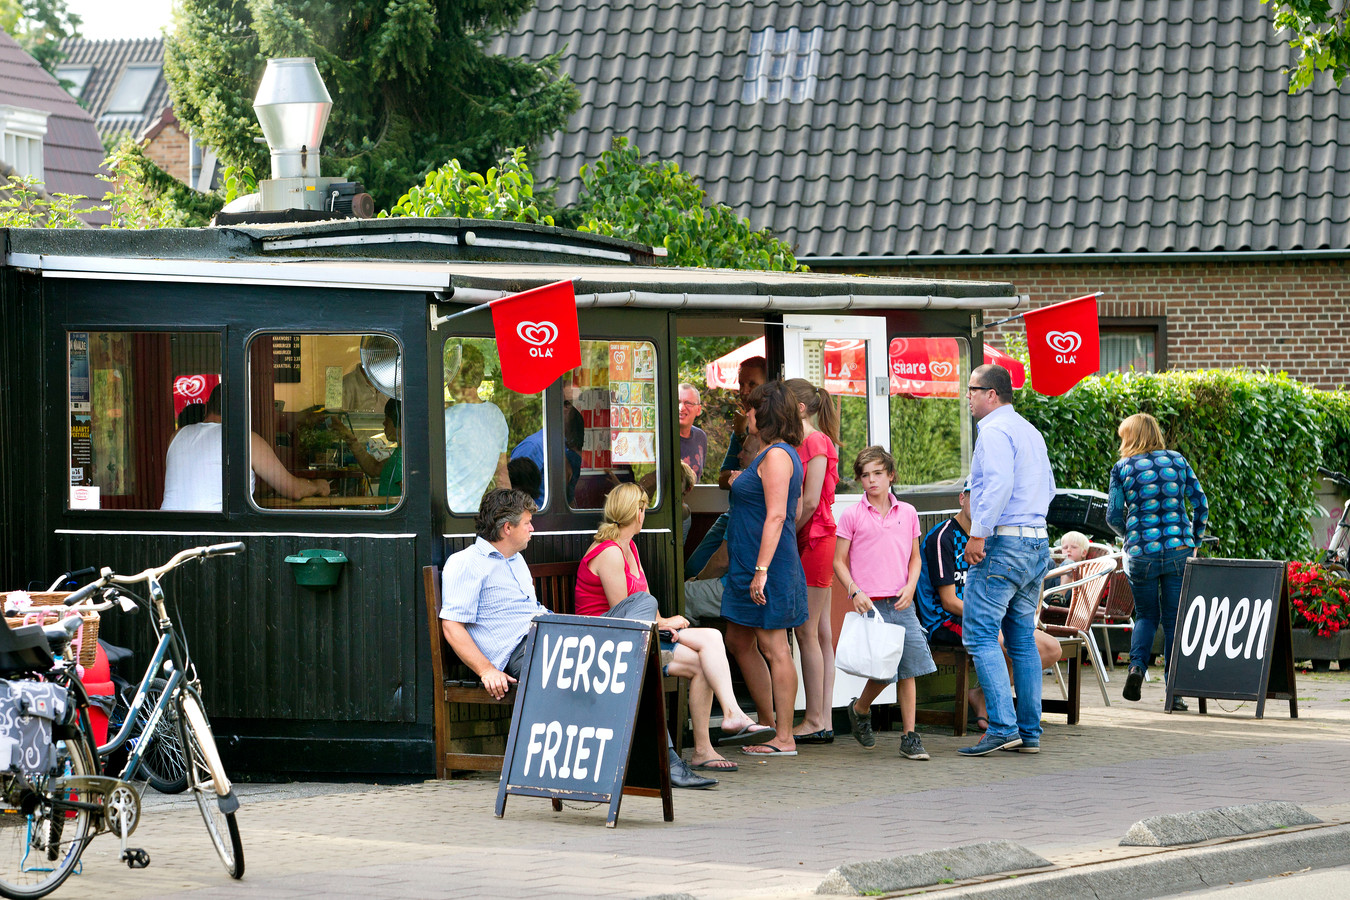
x=1337, y=553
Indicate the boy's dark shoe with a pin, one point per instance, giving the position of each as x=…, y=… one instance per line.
x=911, y=747
x=861, y=725
x=1133, y=681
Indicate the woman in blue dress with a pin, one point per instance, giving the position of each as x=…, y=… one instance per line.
x=1150, y=487
x=764, y=590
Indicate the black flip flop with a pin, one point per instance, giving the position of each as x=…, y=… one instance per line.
x=745, y=737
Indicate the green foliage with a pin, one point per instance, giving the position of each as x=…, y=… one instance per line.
x=1334, y=407
x=38, y=26
x=239, y=181
x=1319, y=37
x=925, y=440
x=655, y=203
x=23, y=204
x=411, y=81
x=142, y=195
x=505, y=192
x=1254, y=440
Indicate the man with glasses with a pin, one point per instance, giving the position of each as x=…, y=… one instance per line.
x=693, y=440
x=1008, y=553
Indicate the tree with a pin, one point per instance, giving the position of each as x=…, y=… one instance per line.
x=38, y=26
x=411, y=81
x=1320, y=37
x=655, y=203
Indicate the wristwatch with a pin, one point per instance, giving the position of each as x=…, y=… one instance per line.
x=761, y=568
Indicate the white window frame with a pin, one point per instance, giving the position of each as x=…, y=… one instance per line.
x=22, y=132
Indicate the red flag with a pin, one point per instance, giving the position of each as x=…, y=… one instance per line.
x=537, y=336
x=1064, y=344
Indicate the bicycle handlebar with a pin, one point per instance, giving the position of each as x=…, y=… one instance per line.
x=107, y=576
x=1334, y=476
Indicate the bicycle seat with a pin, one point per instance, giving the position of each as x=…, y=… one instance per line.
x=24, y=649
x=61, y=634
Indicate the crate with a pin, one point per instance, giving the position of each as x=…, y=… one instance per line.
x=1080, y=510
x=49, y=608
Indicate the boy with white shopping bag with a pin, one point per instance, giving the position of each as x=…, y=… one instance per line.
x=876, y=558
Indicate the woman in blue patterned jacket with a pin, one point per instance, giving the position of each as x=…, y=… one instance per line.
x=1150, y=487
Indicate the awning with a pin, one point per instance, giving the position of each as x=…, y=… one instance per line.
x=920, y=367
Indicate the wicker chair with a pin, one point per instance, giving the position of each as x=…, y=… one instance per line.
x=1088, y=586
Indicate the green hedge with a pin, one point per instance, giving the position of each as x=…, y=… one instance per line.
x=1254, y=439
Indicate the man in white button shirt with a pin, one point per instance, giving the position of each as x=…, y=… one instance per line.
x=1008, y=551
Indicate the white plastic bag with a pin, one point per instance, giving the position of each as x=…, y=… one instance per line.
x=869, y=646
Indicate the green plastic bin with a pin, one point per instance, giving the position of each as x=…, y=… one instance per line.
x=317, y=568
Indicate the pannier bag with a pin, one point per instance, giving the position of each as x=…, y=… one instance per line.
x=27, y=711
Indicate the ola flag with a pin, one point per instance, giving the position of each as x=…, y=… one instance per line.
x=1064, y=344
x=537, y=336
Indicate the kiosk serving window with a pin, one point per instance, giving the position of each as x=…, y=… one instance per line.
x=129, y=394
x=610, y=403
x=326, y=424
x=930, y=418
x=494, y=437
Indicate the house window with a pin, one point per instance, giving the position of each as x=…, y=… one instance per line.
x=21, y=134
x=1133, y=345
x=782, y=65
x=76, y=76
x=133, y=90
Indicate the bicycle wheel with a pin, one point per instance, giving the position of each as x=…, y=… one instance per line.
x=209, y=784
x=39, y=849
x=163, y=762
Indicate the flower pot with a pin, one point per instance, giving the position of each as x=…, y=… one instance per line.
x=1322, y=650
x=317, y=569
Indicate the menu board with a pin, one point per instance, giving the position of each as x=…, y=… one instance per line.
x=632, y=402
x=286, y=358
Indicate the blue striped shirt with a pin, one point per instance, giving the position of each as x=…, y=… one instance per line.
x=491, y=596
x=1010, y=478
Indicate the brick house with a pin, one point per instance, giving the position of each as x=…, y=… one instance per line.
x=122, y=84
x=1150, y=150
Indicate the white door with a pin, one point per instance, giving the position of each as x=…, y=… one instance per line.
x=847, y=355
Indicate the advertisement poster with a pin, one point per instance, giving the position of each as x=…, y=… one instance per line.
x=81, y=450
x=632, y=402
x=79, y=371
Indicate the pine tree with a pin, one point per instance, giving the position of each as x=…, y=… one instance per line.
x=411, y=81
x=39, y=26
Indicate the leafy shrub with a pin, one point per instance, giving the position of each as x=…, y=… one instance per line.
x=23, y=204
x=142, y=195
x=1320, y=598
x=505, y=192
x=1254, y=440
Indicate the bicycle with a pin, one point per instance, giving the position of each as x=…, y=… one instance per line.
x=1337, y=552
x=178, y=698
x=163, y=763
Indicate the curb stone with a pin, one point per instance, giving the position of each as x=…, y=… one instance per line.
x=930, y=868
x=1209, y=824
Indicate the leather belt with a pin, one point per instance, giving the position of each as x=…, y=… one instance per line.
x=1026, y=531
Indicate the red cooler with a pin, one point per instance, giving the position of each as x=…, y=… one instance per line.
x=98, y=683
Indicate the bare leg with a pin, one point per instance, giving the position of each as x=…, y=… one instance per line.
x=1049, y=649
x=686, y=665
x=813, y=663
x=906, y=697
x=774, y=645
x=870, y=692
x=976, y=698
x=826, y=636
x=742, y=642
x=705, y=645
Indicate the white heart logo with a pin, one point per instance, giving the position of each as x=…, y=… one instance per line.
x=619, y=357
x=1063, y=341
x=940, y=369
x=189, y=385
x=537, y=333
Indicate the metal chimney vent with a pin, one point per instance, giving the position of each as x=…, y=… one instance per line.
x=292, y=106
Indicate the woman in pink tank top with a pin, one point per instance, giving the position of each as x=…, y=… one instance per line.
x=609, y=572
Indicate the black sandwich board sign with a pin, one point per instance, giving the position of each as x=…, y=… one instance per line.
x=1232, y=639
x=589, y=721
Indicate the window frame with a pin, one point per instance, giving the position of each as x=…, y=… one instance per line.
x=248, y=381
x=1141, y=325
x=113, y=110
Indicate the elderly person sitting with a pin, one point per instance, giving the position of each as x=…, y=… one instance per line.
x=610, y=578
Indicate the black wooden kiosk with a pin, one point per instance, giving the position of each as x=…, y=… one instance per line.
x=102, y=327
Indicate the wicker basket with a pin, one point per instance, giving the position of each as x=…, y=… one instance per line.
x=49, y=608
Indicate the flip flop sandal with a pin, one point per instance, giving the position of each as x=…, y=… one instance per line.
x=767, y=751
x=978, y=727
x=715, y=765
x=823, y=736
x=746, y=737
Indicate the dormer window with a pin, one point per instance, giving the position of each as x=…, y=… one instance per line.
x=21, y=134
x=133, y=89
x=77, y=76
x=782, y=65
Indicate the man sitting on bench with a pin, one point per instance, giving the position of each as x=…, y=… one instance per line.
x=488, y=603
x=938, y=597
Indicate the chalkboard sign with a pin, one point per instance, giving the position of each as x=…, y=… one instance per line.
x=286, y=358
x=1232, y=639
x=589, y=718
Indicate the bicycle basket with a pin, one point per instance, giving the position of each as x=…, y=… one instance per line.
x=27, y=711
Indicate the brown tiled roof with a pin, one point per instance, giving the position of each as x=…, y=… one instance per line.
x=71, y=151
x=966, y=126
x=107, y=61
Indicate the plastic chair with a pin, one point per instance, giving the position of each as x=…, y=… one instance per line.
x=1088, y=586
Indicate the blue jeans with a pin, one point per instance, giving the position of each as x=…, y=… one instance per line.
x=1002, y=592
x=1155, y=582
x=708, y=546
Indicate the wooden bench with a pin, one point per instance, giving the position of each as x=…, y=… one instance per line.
x=958, y=718
x=555, y=586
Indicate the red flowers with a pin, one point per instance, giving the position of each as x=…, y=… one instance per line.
x=1320, y=598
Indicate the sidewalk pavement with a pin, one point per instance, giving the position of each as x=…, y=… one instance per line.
x=773, y=829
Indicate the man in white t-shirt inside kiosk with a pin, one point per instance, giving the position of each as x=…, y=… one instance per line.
x=193, y=466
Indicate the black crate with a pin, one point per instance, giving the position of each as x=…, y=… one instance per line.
x=1080, y=510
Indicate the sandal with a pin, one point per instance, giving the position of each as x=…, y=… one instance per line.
x=978, y=727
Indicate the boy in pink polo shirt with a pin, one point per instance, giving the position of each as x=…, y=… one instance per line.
x=876, y=558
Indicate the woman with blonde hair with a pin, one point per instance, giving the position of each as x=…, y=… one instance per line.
x=1150, y=487
x=611, y=575
x=815, y=527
